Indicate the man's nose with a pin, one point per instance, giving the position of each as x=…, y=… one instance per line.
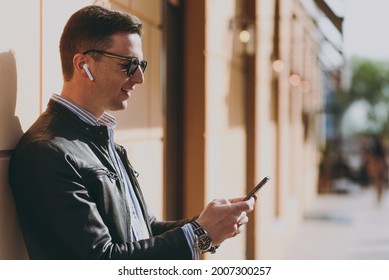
x=138, y=76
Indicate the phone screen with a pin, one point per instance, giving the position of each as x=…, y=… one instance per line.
x=257, y=188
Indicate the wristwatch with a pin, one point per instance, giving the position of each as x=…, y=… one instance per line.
x=203, y=242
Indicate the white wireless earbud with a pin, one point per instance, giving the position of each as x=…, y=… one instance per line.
x=87, y=71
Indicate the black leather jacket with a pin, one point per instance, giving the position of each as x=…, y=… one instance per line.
x=70, y=201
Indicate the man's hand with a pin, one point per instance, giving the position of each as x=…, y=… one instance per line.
x=224, y=219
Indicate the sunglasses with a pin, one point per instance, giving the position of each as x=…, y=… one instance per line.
x=133, y=62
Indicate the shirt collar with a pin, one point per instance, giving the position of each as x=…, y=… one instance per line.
x=105, y=119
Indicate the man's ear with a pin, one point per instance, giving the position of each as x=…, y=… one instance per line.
x=79, y=60
x=80, y=64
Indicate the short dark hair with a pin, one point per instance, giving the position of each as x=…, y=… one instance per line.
x=91, y=28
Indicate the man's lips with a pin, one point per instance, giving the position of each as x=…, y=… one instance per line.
x=127, y=90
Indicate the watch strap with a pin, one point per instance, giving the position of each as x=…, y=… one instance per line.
x=199, y=231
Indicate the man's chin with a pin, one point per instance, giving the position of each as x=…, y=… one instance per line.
x=119, y=106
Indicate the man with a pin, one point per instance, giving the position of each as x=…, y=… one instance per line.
x=76, y=193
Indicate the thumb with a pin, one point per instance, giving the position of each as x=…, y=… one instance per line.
x=243, y=205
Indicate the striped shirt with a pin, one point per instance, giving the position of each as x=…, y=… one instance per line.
x=138, y=225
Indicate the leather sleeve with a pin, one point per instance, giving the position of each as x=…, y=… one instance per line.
x=61, y=220
x=159, y=227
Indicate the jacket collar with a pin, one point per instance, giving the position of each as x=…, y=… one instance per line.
x=93, y=131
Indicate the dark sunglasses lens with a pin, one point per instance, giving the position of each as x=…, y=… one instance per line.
x=134, y=63
x=132, y=67
x=143, y=65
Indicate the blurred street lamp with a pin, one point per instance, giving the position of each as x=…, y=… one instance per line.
x=244, y=34
x=294, y=80
x=278, y=65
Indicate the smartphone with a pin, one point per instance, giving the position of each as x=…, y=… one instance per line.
x=257, y=188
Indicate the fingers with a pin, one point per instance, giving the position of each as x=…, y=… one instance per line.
x=243, y=219
x=238, y=204
x=239, y=199
x=220, y=201
x=239, y=226
x=243, y=205
x=235, y=200
x=224, y=219
x=239, y=229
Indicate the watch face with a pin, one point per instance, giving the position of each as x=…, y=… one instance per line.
x=204, y=242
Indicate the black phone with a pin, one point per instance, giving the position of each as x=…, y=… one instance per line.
x=257, y=188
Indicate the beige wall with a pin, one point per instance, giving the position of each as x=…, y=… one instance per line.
x=225, y=135
x=268, y=225
x=217, y=129
x=54, y=16
x=19, y=104
x=284, y=151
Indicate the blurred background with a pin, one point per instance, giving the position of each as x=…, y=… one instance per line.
x=235, y=90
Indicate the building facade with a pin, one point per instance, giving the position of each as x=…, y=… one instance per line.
x=233, y=93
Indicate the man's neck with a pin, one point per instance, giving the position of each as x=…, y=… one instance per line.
x=80, y=96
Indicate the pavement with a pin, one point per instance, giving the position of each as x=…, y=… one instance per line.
x=350, y=226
